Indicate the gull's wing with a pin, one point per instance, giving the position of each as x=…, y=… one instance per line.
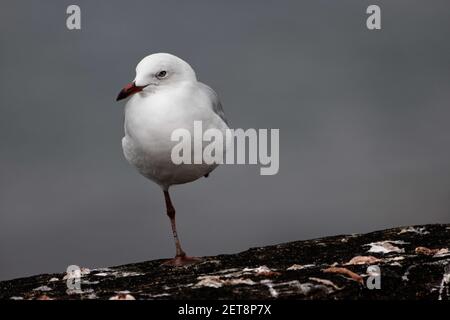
x=216, y=105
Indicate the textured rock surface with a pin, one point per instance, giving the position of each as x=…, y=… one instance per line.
x=414, y=263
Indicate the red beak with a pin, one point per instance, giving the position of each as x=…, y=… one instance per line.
x=129, y=90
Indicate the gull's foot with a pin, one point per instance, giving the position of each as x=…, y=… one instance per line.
x=179, y=261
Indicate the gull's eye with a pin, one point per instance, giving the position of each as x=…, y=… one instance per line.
x=161, y=74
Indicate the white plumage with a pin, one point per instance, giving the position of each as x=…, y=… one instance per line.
x=167, y=96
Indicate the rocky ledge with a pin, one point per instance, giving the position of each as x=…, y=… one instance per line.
x=401, y=263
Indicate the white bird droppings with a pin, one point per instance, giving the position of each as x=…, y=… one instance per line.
x=43, y=288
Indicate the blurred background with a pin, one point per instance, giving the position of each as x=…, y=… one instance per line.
x=363, y=118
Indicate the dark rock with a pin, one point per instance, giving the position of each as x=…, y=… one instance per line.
x=413, y=262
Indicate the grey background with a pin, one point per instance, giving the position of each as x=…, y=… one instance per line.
x=363, y=118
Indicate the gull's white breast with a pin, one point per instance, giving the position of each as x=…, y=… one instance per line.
x=150, y=119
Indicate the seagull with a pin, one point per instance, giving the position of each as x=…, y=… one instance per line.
x=164, y=96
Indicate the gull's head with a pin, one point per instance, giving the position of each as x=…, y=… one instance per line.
x=157, y=70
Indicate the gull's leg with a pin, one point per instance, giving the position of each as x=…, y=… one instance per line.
x=180, y=257
x=171, y=214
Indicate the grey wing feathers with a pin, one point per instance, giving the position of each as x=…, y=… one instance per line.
x=218, y=109
x=216, y=105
